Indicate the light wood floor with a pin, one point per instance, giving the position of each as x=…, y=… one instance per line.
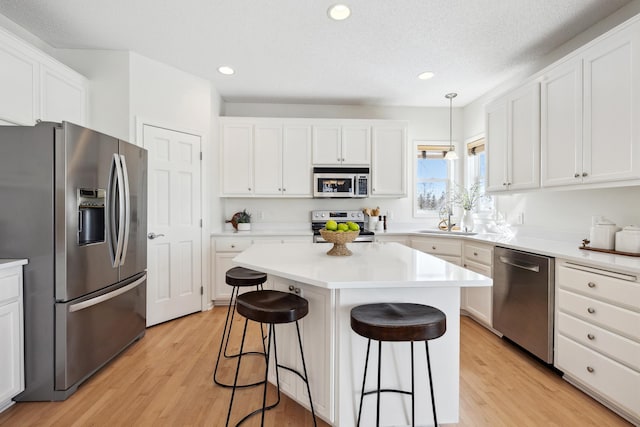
x=165, y=380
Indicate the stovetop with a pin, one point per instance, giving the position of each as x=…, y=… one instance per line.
x=319, y=218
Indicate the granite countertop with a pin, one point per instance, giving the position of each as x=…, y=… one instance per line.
x=374, y=265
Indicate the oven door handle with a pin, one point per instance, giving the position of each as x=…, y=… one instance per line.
x=529, y=267
x=102, y=298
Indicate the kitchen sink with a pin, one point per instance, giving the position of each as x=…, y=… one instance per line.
x=452, y=232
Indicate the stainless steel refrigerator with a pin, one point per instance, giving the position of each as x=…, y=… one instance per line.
x=73, y=201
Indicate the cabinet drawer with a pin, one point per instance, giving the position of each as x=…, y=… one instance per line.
x=615, y=346
x=603, y=375
x=232, y=245
x=600, y=286
x=608, y=316
x=478, y=268
x=438, y=246
x=10, y=281
x=479, y=254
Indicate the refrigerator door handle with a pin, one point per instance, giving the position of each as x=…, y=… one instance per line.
x=110, y=216
x=121, y=202
x=127, y=208
x=102, y=298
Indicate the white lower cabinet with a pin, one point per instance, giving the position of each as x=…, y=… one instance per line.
x=478, y=302
x=226, y=249
x=11, y=335
x=446, y=248
x=317, y=332
x=597, y=334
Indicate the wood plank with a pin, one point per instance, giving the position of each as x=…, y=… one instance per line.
x=165, y=379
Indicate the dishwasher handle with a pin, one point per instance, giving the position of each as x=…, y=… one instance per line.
x=530, y=267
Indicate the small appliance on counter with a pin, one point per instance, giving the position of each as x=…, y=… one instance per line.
x=628, y=239
x=319, y=218
x=602, y=233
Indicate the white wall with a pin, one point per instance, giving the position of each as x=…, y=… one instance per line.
x=568, y=210
x=430, y=124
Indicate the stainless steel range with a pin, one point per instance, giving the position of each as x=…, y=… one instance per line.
x=319, y=218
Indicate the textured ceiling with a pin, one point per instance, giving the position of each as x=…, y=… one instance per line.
x=289, y=51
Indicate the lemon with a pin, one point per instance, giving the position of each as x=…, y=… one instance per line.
x=331, y=225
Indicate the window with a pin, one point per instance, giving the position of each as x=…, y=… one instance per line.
x=477, y=171
x=433, y=177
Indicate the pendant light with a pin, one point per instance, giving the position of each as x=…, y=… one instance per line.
x=451, y=154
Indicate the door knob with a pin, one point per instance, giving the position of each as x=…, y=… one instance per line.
x=153, y=235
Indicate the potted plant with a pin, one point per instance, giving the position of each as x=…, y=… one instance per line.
x=244, y=220
x=468, y=199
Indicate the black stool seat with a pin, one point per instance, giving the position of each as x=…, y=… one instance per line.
x=398, y=322
x=240, y=276
x=272, y=306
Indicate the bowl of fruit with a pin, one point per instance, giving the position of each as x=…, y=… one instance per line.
x=340, y=234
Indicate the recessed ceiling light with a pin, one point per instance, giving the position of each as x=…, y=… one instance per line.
x=339, y=12
x=227, y=71
x=426, y=75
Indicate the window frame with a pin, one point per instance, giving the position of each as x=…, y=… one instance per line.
x=417, y=213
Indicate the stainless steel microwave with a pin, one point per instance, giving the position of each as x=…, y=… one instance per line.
x=336, y=182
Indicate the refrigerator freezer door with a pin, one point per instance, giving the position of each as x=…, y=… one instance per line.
x=135, y=247
x=94, y=329
x=83, y=161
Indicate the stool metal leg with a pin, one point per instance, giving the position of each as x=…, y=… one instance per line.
x=413, y=391
x=433, y=400
x=306, y=376
x=379, y=370
x=235, y=380
x=364, y=380
x=226, y=335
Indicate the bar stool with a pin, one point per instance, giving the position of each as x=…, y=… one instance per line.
x=238, y=277
x=397, y=322
x=271, y=307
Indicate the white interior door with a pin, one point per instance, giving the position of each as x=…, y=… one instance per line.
x=174, y=254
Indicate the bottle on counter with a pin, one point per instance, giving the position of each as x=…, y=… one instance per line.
x=380, y=225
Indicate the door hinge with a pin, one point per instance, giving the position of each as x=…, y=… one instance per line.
x=201, y=155
x=201, y=290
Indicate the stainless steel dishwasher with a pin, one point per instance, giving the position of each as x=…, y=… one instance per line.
x=523, y=299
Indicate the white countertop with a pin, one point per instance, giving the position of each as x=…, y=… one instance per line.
x=372, y=265
x=9, y=263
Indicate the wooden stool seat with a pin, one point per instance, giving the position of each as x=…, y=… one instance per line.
x=240, y=276
x=272, y=306
x=398, y=322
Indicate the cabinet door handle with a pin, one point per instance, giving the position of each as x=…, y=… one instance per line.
x=279, y=189
x=233, y=246
x=576, y=175
x=475, y=254
x=590, y=369
x=291, y=287
x=591, y=337
x=284, y=189
x=297, y=291
x=591, y=310
x=584, y=174
x=433, y=247
x=249, y=188
x=504, y=183
x=591, y=285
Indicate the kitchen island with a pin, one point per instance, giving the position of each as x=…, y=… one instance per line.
x=335, y=355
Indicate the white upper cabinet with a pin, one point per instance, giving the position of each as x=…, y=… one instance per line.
x=588, y=107
x=264, y=157
x=296, y=161
x=342, y=144
x=237, y=159
x=63, y=95
x=388, y=160
x=35, y=87
x=513, y=140
x=18, y=83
